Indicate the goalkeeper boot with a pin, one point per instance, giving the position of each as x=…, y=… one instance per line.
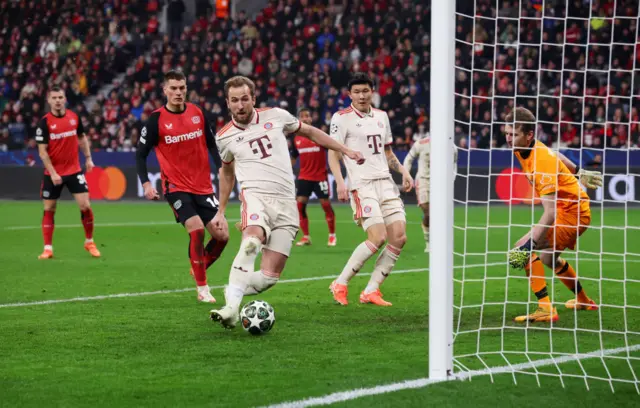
x=542, y=314
x=227, y=317
x=204, y=294
x=304, y=241
x=375, y=298
x=340, y=293
x=573, y=304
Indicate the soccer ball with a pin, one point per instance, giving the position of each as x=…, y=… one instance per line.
x=257, y=317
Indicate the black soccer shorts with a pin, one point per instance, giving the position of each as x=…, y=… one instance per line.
x=186, y=205
x=306, y=187
x=75, y=183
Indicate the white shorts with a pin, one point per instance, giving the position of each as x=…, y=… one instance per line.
x=277, y=216
x=377, y=202
x=422, y=190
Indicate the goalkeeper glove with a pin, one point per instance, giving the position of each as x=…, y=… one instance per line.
x=590, y=179
x=519, y=257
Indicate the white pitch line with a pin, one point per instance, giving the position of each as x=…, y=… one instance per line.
x=424, y=382
x=309, y=279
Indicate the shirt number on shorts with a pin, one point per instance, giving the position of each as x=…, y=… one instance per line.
x=324, y=186
x=213, y=201
x=81, y=179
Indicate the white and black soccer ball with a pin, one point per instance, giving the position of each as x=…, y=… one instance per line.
x=257, y=317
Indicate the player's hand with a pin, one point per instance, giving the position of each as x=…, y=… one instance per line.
x=343, y=194
x=407, y=182
x=519, y=256
x=150, y=193
x=590, y=179
x=89, y=165
x=56, y=179
x=355, y=156
x=219, y=221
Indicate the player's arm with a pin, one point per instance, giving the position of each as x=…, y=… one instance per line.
x=211, y=141
x=293, y=152
x=338, y=133
x=147, y=141
x=85, y=146
x=319, y=137
x=394, y=164
x=519, y=256
x=42, y=139
x=590, y=178
x=410, y=157
x=227, y=180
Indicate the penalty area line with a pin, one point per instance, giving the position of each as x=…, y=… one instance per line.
x=425, y=382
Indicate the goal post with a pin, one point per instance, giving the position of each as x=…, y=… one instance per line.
x=441, y=190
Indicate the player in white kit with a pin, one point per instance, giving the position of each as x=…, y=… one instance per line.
x=422, y=151
x=375, y=198
x=253, y=147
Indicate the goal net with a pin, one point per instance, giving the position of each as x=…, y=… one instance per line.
x=576, y=65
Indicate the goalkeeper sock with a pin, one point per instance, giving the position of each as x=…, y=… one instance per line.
x=567, y=275
x=535, y=271
x=384, y=264
x=362, y=253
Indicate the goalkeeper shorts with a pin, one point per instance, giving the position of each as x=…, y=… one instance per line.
x=566, y=230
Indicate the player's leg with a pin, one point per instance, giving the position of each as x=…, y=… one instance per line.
x=304, y=189
x=255, y=231
x=77, y=185
x=425, y=224
x=370, y=217
x=49, y=194
x=566, y=235
x=322, y=191
x=86, y=216
x=302, y=202
x=207, y=207
x=396, y=238
x=274, y=258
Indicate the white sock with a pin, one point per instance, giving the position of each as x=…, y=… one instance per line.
x=48, y=247
x=259, y=282
x=384, y=265
x=88, y=240
x=425, y=230
x=233, y=296
x=360, y=255
x=241, y=269
x=203, y=288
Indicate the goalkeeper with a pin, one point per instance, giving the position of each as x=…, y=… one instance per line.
x=566, y=216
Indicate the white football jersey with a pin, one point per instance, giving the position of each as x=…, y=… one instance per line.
x=367, y=133
x=422, y=151
x=261, y=152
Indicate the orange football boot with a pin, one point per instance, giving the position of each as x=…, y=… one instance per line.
x=46, y=254
x=374, y=298
x=92, y=249
x=340, y=293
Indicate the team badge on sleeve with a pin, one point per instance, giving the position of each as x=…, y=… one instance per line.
x=195, y=120
x=334, y=128
x=39, y=137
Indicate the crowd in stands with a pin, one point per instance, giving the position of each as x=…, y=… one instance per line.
x=301, y=53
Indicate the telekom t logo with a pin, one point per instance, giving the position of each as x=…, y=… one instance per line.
x=261, y=146
x=375, y=143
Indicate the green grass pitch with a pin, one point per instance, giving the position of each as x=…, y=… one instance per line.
x=162, y=350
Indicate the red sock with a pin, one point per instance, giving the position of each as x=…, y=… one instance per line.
x=48, y=225
x=196, y=255
x=330, y=216
x=87, y=223
x=304, y=221
x=212, y=251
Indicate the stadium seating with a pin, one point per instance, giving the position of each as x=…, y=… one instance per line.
x=304, y=55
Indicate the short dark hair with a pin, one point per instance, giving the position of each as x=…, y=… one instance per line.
x=522, y=119
x=237, y=82
x=303, y=109
x=55, y=88
x=360, y=78
x=175, y=75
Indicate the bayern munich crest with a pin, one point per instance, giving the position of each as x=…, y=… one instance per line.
x=254, y=217
x=380, y=125
x=195, y=119
x=268, y=125
x=367, y=209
